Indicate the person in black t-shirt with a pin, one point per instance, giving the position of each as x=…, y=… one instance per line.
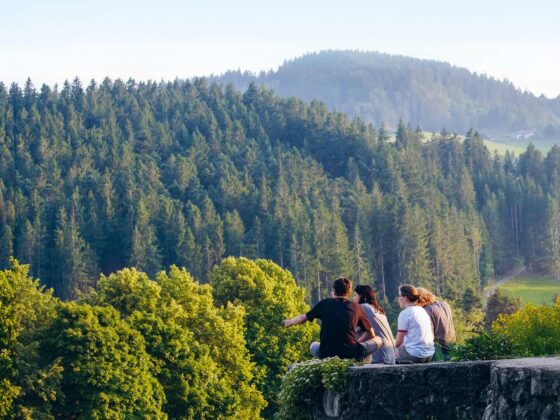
x=339, y=318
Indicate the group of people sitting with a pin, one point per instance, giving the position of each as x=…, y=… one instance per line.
x=358, y=328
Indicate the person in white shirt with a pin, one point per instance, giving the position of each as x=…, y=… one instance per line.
x=415, y=337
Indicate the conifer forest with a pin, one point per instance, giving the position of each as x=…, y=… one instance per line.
x=147, y=175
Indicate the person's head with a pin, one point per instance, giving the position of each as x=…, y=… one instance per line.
x=408, y=295
x=342, y=287
x=426, y=297
x=364, y=293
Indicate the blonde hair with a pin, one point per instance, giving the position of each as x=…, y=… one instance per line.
x=426, y=297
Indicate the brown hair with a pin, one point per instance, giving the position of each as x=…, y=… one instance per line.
x=342, y=287
x=426, y=297
x=410, y=292
x=367, y=295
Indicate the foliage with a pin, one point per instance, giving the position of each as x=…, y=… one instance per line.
x=28, y=385
x=467, y=323
x=268, y=294
x=197, y=350
x=153, y=174
x=484, y=346
x=106, y=370
x=302, y=385
x=533, y=330
x=497, y=304
x=135, y=348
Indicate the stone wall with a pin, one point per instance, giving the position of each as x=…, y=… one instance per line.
x=489, y=390
x=524, y=389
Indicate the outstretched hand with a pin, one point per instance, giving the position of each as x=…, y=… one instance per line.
x=300, y=319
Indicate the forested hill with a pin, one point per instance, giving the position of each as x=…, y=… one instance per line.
x=384, y=88
x=96, y=178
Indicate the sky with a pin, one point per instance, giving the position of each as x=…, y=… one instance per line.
x=54, y=40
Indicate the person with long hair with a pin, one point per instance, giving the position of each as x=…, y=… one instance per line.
x=365, y=296
x=442, y=320
x=415, y=337
x=340, y=318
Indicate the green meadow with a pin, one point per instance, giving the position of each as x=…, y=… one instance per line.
x=501, y=148
x=493, y=146
x=531, y=288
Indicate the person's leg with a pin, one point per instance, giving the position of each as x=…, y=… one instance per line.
x=404, y=357
x=314, y=349
x=370, y=346
x=446, y=351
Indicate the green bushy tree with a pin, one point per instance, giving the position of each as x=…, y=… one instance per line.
x=28, y=385
x=197, y=351
x=269, y=294
x=106, y=370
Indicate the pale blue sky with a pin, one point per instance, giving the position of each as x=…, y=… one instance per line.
x=53, y=40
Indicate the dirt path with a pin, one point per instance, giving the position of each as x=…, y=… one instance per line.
x=503, y=280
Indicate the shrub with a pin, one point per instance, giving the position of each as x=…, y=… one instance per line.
x=484, y=346
x=533, y=331
x=302, y=386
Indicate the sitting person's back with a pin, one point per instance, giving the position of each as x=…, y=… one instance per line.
x=365, y=295
x=441, y=317
x=415, y=337
x=340, y=318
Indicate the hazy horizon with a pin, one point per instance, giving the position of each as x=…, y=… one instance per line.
x=59, y=40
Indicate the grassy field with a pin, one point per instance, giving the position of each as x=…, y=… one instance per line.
x=531, y=288
x=492, y=146
x=501, y=148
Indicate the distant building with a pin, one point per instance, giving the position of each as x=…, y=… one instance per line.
x=524, y=134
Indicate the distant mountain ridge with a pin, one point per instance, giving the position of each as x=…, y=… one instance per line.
x=381, y=88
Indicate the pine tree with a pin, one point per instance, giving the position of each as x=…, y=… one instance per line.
x=76, y=263
x=145, y=254
x=234, y=233
x=553, y=237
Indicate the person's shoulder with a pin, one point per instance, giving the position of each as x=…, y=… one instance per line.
x=431, y=307
x=367, y=308
x=327, y=301
x=421, y=313
x=321, y=302
x=353, y=306
x=418, y=310
x=442, y=304
x=406, y=312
